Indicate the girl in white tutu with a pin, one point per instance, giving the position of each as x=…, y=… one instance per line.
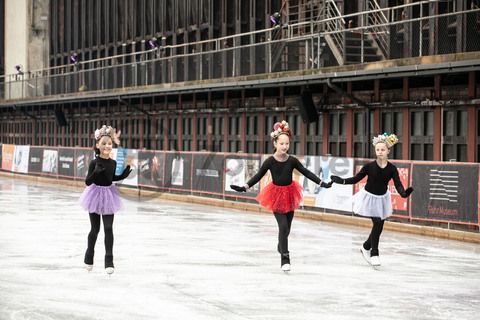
x=374, y=200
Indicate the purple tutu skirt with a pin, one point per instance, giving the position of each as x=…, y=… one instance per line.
x=101, y=200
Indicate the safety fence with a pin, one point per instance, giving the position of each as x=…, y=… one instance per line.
x=446, y=193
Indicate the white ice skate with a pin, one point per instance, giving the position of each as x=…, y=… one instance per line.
x=109, y=270
x=375, y=261
x=88, y=267
x=366, y=255
x=286, y=267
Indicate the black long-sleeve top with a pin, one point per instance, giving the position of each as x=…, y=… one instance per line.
x=378, y=178
x=282, y=171
x=107, y=174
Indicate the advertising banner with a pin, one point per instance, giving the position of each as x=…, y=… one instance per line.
x=445, y=191
x=178, y=167
x=313, y=194
x=130, y=158
x=207, y=172
x=338, y=197
x=35, y=162
x=240, y=169
x=66, y=158
x=50, y=161
x=151, y=168
x=20, y=159
x=8, y=151
x=399, y=204
x=82, y=161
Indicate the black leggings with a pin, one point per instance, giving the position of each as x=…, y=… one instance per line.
x=284, y=221
x=374, y=237
x=92, y=236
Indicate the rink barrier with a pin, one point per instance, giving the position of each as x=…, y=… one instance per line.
x=440, y=201
x=328, y=217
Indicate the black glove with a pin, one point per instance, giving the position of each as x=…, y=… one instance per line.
x=326, y=185
x=126, y=172
x=408, y=192
x=337, y=179
x=238, y=188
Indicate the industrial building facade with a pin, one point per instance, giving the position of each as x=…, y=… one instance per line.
x=214, y=75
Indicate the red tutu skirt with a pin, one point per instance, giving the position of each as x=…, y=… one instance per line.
x=281, y=199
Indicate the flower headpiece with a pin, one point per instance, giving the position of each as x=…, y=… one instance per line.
x=389, y=140
x=108, y=131
x=280, y=128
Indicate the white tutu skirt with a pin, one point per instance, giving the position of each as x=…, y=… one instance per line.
x=370, y=205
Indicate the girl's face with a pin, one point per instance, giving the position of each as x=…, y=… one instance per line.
x=381, y=150
x=282, y=144
x=105, y=146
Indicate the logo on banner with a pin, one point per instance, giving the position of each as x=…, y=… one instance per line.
x=443, y=185
x=440, y=195
x=444, y=189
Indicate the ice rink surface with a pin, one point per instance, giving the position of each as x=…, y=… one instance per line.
x=186, y=261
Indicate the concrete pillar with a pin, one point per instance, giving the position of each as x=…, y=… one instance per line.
x=26, y=44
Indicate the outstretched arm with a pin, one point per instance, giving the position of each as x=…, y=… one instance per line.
x=352, y=180
x=263, y=170
x=399, y=186
x=310, y=175
x=124, y=174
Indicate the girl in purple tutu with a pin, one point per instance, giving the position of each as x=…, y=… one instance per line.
x=283, y=195
x=100, y=197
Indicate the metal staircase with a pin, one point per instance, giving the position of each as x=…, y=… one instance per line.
x=347, y=46
x=379, y=33
x=354, y=46
x=335, y=24
x=359, y=48
x=325, y=19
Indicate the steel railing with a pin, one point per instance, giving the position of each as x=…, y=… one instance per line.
x=252, y=53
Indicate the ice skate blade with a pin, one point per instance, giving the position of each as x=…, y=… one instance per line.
x=286, y=267
x=109, y=270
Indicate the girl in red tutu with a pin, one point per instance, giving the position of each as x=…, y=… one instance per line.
x=283, y=195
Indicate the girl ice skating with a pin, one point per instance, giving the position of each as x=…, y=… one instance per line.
x=374, y=200
x=283, y=195
x=100, y=198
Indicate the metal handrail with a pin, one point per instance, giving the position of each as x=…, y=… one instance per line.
x=30, y=81
x=337, y=41
x=291, y=38
x=382, y=34
x=217, y=42
x=393, y=23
